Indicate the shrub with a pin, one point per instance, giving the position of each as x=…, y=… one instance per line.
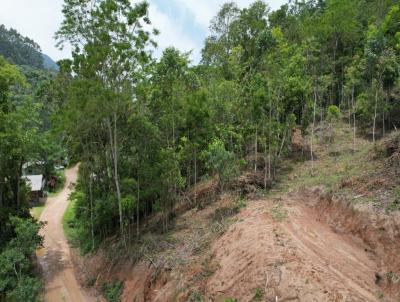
x=113, y=291
x=221, y=161
x=17, y=281
x=333, y=113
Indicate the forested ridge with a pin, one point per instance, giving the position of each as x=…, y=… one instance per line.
x=27, y=103
x=20, y=50
x=146, y=130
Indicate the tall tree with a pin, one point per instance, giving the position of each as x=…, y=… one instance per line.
x=109, y=48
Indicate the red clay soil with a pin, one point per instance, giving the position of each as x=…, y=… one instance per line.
x=303, y=247
x=302, y=257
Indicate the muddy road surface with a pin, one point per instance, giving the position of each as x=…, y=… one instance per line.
x=55, y=258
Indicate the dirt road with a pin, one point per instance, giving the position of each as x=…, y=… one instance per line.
x=55, y=258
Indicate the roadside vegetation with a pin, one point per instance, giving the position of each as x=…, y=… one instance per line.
x=37, y=210
x=69, y=223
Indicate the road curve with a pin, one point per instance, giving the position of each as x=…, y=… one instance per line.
x=55, y=258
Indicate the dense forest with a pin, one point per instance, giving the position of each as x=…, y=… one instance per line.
x=26, y=135
x=147, y=129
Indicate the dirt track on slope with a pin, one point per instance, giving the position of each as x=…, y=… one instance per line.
x=287, y=251
x=55, y=258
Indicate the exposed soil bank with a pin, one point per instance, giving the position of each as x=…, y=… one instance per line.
x=304, y=246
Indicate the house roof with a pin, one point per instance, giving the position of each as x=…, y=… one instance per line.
x=32, y=163
x=36, y=182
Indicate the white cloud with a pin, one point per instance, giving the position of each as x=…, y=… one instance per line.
x=37, y=19
x=172, y=33
x=204, y=10
x=40, y=19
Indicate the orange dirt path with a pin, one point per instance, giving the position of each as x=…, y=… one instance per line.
x=55, y=258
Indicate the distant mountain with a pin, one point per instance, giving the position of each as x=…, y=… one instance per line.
x=48, y=63
x=23, y=51
x=18, y=49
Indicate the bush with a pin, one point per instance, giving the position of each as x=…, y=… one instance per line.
x=113, y=291
x=17, y=282
x=221, y=161
x=333, y=113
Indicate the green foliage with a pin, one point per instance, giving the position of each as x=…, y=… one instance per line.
x=221, y=161
x=333, y=113
x=259, y=294
x=21, y=129
x=145, y=129
x=19, y=50
x=113, y=291
x=69, y=222
x=241, y=202
x=60, y=176
x=17, y=282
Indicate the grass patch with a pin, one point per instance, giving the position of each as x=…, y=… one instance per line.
x=69, y=223
x=334, y=162
x=259, y=294
x=37, y=210
x=278, y=212
x=241, y=202
x=113, y=291
x=195, y=297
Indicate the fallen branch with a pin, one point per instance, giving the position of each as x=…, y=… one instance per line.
x=266, y=283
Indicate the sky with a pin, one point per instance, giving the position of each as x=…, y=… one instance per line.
x=182, y=23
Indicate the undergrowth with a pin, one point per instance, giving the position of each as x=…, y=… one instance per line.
x=69, y=224
x=113, y=291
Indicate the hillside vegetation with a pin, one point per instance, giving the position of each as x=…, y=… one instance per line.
x=147, y=130
x=324, y=232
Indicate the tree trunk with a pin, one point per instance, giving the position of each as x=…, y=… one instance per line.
x=18, y=184
x=195, y=174
x=354, y=117
x=383, y=115
x=137, y=208
x=265, y=159
x=255, y=150
x=375, y=113
x=269, y=139
x=1, y=194
x=312, y=132
x=91, y=209
x=114, y=151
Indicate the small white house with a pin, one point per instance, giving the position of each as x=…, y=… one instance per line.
x=37, y=183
